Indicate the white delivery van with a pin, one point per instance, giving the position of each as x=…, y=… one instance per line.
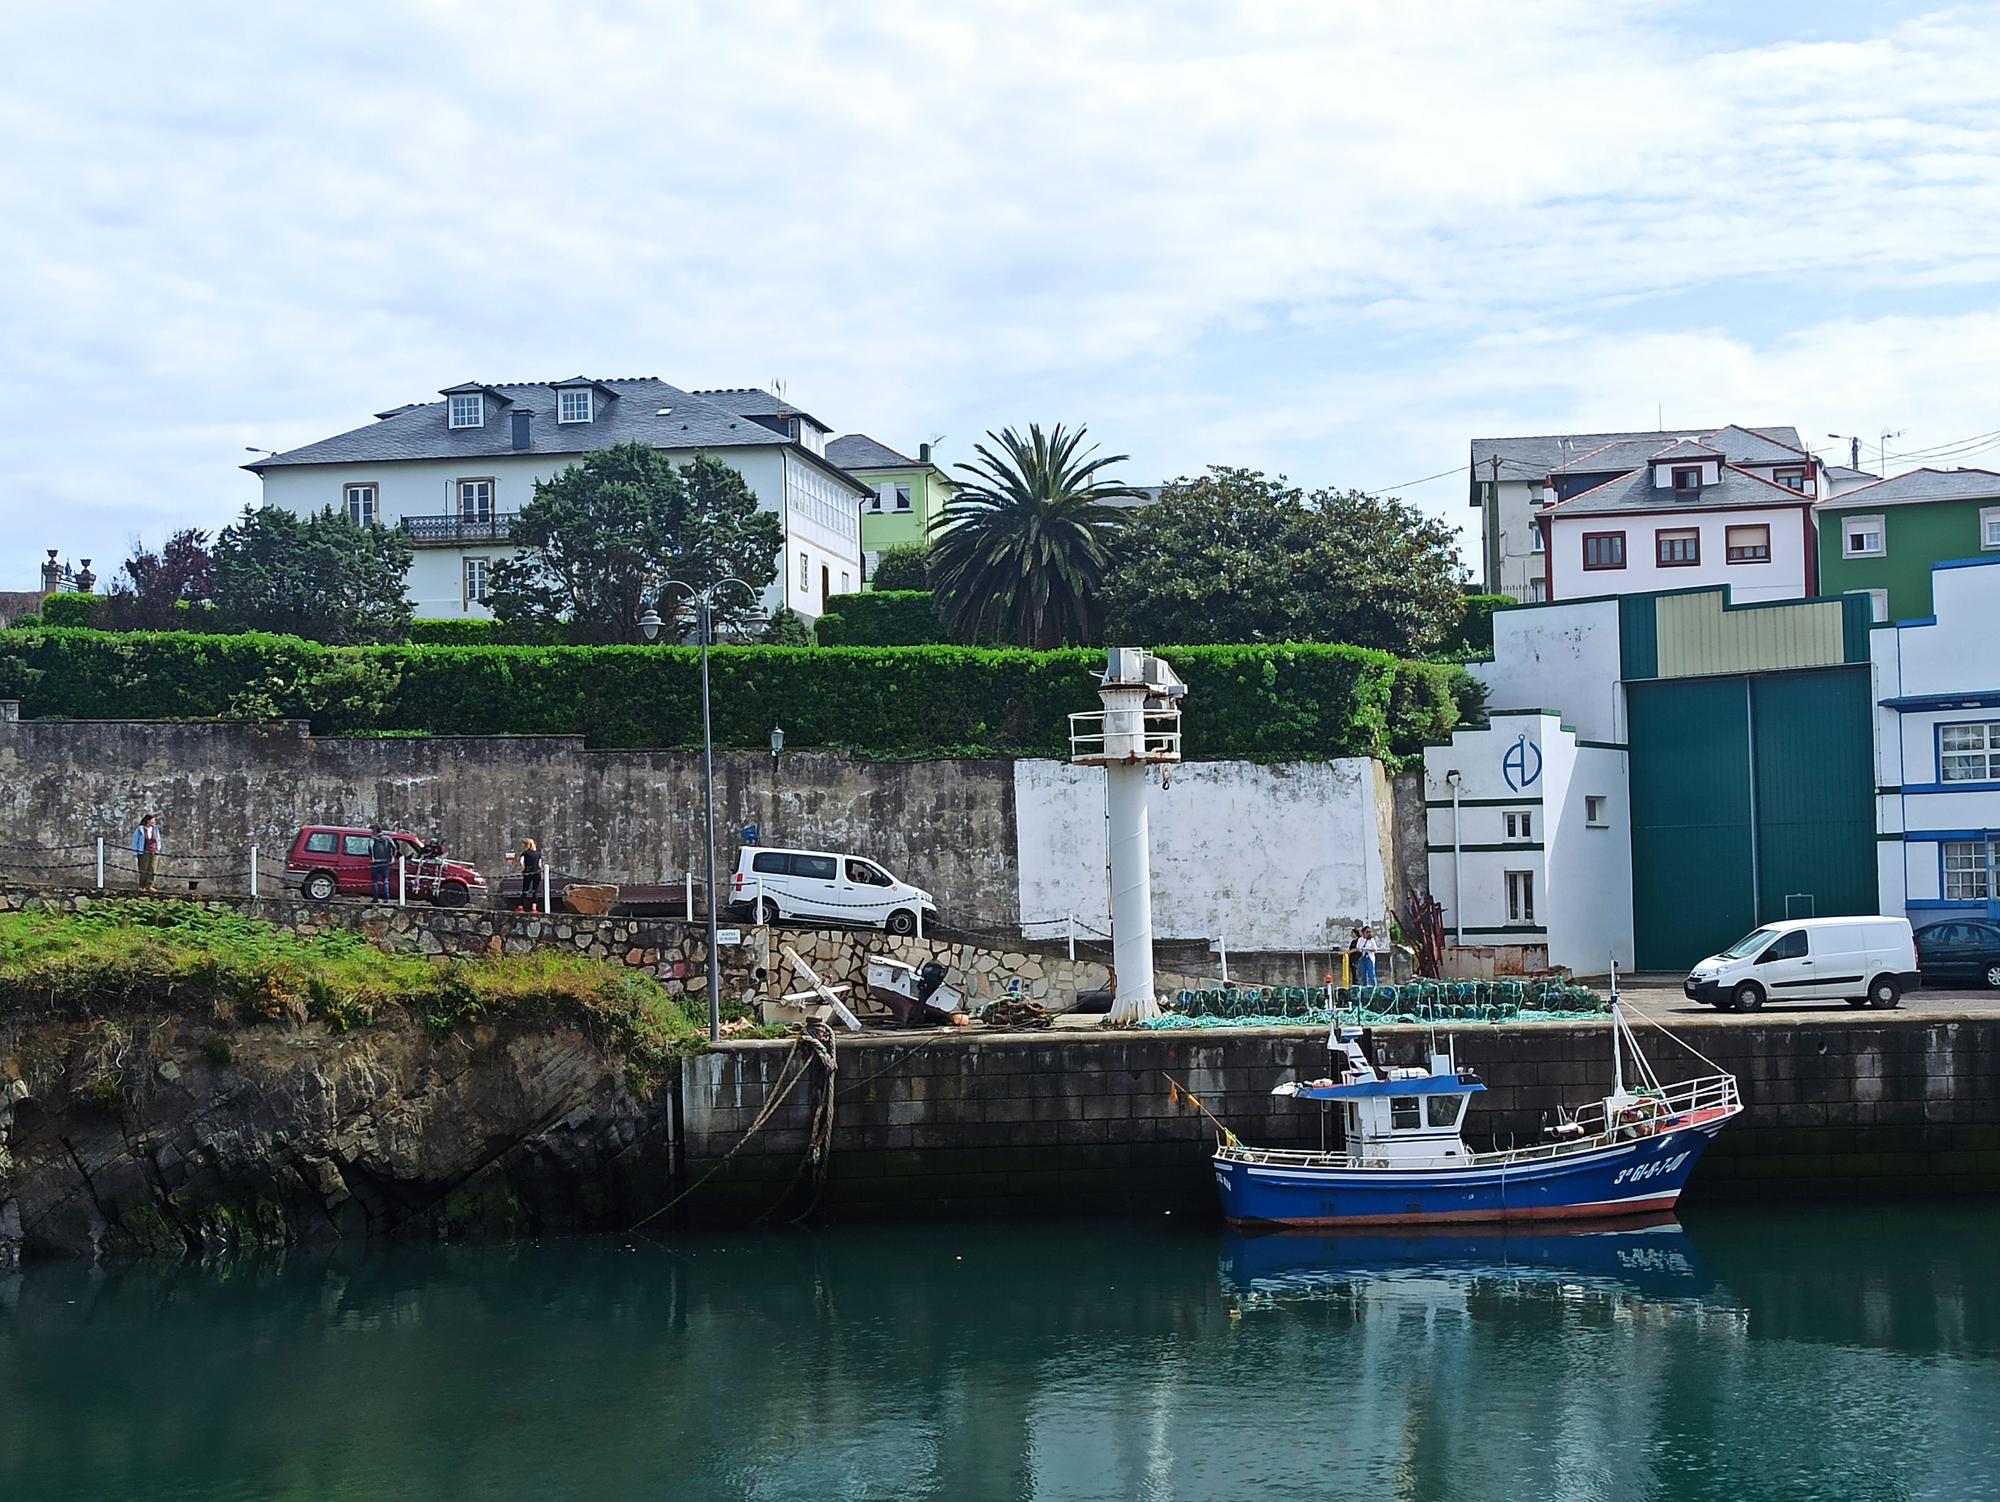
x=1861, y=961
x=773, y=886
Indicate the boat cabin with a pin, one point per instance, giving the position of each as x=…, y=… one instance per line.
x=1395, y=1116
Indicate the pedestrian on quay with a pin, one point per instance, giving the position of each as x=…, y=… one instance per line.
x=530, y=861
x=1369, y=948
x=1354, y=957
x=146, y=847
x=381, y=854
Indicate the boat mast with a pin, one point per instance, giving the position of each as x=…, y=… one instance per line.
x=1617, y=1026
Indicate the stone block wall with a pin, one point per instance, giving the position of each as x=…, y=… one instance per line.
x=1067, y=1122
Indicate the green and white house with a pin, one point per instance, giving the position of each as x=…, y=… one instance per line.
x=1679, y=768
x=1883, y=539
x=908, y=494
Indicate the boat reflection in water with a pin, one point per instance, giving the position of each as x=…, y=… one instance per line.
x=1627, y=1267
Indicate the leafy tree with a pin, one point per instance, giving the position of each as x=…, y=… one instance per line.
x=1236, y=556
x=156, y=591
x=1019, y=553
x=788, y=628
x=907, y=566
x=321, y=576
x=600, y=539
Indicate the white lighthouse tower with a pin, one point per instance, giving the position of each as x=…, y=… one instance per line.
x=1139, y=726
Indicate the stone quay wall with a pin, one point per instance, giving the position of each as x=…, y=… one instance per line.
x=1072, y=1121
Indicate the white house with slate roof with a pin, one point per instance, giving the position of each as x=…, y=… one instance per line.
x=453, y=474
x=1510, y=478
x=1733, y=506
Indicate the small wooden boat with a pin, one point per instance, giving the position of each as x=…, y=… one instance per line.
x=1405, y=1163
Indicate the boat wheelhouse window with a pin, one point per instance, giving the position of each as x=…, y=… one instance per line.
x=1405, y=1112
x=1442, y=1110
x=1750, y=943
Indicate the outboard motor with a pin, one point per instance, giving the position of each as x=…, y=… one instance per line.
x=930, y=976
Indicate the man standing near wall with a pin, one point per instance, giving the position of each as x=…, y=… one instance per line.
x=381, y=852
x=146, y=847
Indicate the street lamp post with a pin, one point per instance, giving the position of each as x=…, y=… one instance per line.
x=704, y=603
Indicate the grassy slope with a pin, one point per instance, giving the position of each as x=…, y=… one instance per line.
x=118, y=955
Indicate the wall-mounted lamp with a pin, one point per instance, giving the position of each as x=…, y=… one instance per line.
x=777, y=742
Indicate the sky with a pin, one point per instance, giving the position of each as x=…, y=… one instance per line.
x=1330, y=240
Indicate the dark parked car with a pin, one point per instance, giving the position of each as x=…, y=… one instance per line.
x=1964, y=950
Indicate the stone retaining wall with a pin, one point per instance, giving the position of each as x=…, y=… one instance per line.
x=1082, y=1121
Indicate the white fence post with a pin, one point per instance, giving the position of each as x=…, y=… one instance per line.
x=1072, y=937
x=759, y=913
x=402, y=881
x=253, y=873
x=687, y=896
x=545, y=884
x=920, y=923
x=1222, y=948
x=100, y=863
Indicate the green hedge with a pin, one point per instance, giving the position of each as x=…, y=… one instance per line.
x=462, y=631
x=882, y=618
x=70, y=610
x=1262, y=703
x=1475, y=631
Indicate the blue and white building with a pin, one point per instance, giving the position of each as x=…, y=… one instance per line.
x=1937, y=746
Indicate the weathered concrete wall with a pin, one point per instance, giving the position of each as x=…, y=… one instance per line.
x=1024, y=1125
x=630, y=815
x=1264, y=857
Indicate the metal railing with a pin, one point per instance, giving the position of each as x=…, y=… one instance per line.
x=444, y=531
x=1109, y=735
x=1652, y=1114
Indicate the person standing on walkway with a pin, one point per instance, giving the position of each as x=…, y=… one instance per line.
x=381, y=854
x=146, y=846
x=530, y=862
x=1369, y=947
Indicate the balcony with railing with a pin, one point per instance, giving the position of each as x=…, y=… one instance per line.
x=455, y=531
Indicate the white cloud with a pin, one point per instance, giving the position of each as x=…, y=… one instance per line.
x=1332, y=239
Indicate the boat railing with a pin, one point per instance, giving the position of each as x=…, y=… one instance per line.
x=1644, y=1114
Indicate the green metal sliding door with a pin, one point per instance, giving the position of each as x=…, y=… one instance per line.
x=1752, y=801
x=1690, y=783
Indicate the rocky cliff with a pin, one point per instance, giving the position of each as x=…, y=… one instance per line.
x=150, y=1133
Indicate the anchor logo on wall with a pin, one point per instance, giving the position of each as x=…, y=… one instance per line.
x=1522, y=765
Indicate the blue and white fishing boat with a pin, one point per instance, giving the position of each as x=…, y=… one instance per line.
x=1404, y=1161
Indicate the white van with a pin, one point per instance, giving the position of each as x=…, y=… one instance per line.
x=773, y=886
x=1861, y=961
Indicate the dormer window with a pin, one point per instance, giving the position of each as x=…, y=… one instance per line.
x=574, y=404
x=467, y=411
x=1687, y=477
x=1791, y=479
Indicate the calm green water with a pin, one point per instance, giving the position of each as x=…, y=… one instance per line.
x=1840, y=1354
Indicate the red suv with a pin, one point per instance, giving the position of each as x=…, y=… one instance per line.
x=328, y=858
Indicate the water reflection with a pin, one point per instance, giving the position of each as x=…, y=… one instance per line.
x=1839, y=1353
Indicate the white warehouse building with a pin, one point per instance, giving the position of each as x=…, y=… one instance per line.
x=454, y=473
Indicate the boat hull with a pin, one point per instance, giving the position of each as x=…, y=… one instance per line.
x=1600, y=1183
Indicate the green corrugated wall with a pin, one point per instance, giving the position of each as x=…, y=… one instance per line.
x=1692, y=785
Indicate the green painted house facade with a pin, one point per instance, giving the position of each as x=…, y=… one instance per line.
x=909, y=493
x=1884, y=538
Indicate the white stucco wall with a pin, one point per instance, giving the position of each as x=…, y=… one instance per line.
x=1271, y=857
x=1532, y=764
x=1783, y=578
x=1520, y=545
x=1952, y=656
x=1562, y=657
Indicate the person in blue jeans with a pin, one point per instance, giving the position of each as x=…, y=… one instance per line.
x=1365, y=953
x=381, y=855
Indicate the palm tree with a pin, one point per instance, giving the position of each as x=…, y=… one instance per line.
x=1020, y=552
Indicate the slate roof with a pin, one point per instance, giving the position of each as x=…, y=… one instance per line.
x=858, y=451
x=754, y=402
x=637, y=410
x=1637, y=492
x=1534, y=458
x=1922, y=485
